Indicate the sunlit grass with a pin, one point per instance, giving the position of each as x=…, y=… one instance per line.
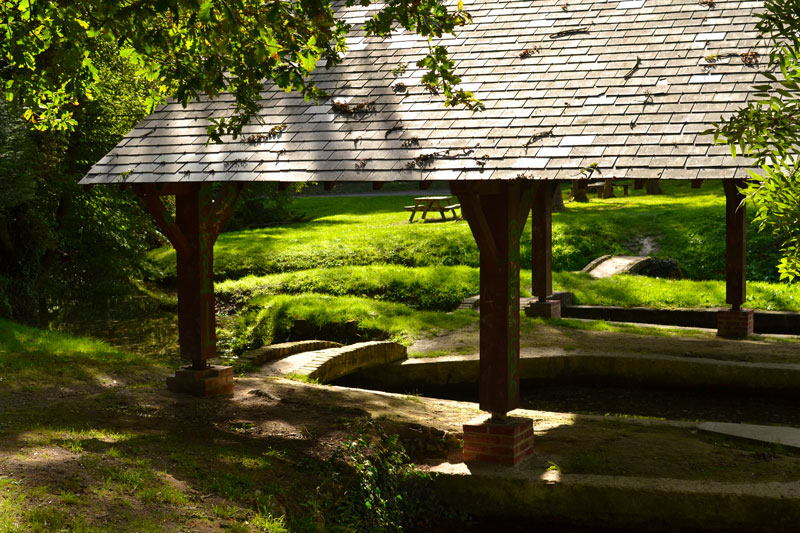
x=643, y=291
x=35, y=357
x=12, y=499
x=269, y=319
x=686, y=224
x=432, y=288
x=443, y=288
x=529, y=325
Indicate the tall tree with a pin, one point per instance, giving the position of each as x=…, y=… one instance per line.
x=189, y=48
x=768, y=130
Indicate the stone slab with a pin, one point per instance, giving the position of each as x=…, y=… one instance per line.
x=265, y=354
x=613, y=265
x=785, y=436
x=609, y=502
x=554, y=365
x=769, y=322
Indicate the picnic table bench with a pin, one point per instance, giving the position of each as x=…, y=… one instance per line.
x=599, y=187
x=442, y=204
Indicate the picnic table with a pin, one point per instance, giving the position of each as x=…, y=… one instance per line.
x=425, y=204
x=606, y=186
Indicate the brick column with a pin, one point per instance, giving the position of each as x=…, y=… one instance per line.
x=210, y=381
x=735, y=323
x=500, y=440
x=544, y=309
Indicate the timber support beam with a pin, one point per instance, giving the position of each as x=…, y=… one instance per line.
x=737, y=322
x=200, y=213
x=542, y=254
x=496, y=213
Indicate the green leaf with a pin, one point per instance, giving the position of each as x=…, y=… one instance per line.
x=204, y=14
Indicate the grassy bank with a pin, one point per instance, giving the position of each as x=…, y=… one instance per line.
x=274, y=318
x=425, y=288
x=641, y=291
x=444, y=288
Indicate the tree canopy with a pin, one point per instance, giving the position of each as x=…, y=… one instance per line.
x=768, y=130
x=185, y=49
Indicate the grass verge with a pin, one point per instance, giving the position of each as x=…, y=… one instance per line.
x=427, y=288
x=642, y=291
x=31, y=357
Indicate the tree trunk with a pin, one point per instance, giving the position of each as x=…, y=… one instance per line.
x=558, y=198
x=654, y=187
x=608, y=189
x=50, y=257
x=579, y=191
x=5, y=236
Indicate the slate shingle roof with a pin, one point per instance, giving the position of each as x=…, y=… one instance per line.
x=626, y=85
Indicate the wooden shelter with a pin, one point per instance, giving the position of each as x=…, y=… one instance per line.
x=612, y=89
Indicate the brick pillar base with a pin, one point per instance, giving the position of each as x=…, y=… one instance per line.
x=546, y=309
x=735, y=324
x=211, y=381
x=505, y=442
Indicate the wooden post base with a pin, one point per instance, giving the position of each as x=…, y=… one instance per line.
x=211, y=381
x=735, y=324
x=546, y=309
x=565, y=297
x=504, y=442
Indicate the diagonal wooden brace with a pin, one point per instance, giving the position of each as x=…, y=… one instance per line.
x=150, y=197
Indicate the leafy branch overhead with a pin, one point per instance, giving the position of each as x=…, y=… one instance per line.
x=186, y=49
x=767, y=129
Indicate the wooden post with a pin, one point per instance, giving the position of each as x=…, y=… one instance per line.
x=542, y=242
x=199, y=218
x=496, y=213
x=736, y=244
x=196, y=320
x=735, y=323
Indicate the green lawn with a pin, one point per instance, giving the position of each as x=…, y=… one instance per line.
x=79, y=453
x=686, y=224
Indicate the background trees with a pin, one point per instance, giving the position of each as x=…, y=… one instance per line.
x=187, y=48
x=59, y=243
